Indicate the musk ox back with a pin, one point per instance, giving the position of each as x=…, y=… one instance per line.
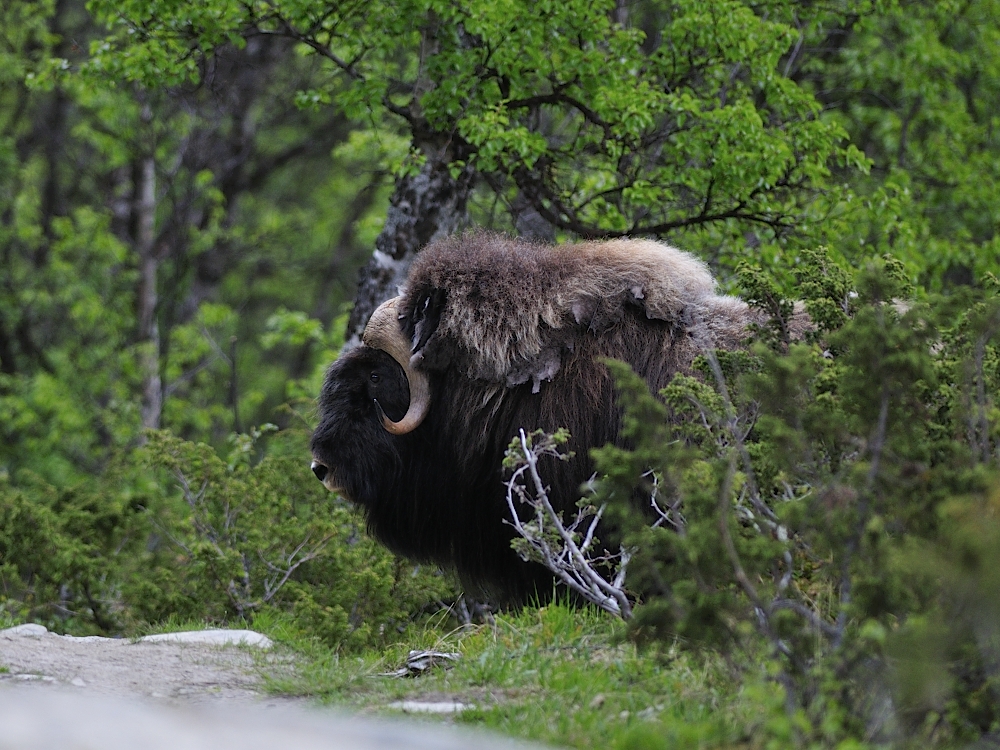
x=493, y=334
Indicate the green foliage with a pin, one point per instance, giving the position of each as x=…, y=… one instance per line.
x=66, y=554
x=669, y=117
x=915, y=85
x=66, y=382
x=265, y=533
x=233, y=539
x=555, y=674
x=721, y=125
x=838, y=513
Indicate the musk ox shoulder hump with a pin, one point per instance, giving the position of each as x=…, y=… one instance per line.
x=664, y=279
x=506, y=310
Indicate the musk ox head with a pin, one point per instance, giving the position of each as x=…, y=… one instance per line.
x=490, y=335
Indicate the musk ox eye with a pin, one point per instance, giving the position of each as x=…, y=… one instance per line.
x=374, y=377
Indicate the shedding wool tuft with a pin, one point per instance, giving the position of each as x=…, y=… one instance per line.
x=509, y=310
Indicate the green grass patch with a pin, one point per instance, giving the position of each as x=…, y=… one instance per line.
x=181, y=625
x=7, y=620
x=555, y=674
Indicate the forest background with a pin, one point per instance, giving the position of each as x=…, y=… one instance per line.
x=187, y=192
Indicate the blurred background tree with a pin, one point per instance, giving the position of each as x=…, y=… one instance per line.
x=196, y=177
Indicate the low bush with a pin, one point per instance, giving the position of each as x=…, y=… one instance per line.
x=831, y=505
x=178, y=532
x=834, y=505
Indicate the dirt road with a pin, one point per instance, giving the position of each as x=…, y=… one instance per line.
x=193, y=670
x=177, y=692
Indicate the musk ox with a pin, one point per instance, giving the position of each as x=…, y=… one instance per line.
x=489, y=335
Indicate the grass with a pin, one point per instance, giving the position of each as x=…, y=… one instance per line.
x=175, y=625
x=7, y=620
x=555, y=674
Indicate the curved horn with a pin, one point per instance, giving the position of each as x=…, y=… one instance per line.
x=383, y=332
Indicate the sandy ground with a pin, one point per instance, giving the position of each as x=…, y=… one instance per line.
x=66, y=693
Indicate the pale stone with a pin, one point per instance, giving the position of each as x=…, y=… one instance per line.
x=212, y=638
x=438, y=707
x=31, y=629
x=217, y=637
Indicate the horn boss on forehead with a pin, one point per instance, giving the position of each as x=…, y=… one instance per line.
x=492, y=335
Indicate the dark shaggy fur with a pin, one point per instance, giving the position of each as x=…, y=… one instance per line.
x=510, y=334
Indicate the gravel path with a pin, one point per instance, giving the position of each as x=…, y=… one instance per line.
x=182, y=691
x=195, y=670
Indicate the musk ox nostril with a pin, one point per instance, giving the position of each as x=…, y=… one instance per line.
x=319, y=470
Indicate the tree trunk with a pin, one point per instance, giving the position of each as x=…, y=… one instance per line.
x=145, y=242
x=426, y=206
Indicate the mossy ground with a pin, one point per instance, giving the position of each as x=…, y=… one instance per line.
x=556, y=674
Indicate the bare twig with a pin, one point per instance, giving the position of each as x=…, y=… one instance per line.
x=270, y=587
x=554, y=544
x=732, y=424
x=671, y=514
x=877, y=445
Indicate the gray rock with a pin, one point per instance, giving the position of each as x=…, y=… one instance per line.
x=212, y=637
x=31, y=629
x=208, y=637
x=432, y=707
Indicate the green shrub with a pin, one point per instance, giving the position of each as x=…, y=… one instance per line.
x=835, y=508
x=182, y=534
